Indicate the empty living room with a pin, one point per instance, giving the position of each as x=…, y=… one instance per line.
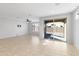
x=39, y=29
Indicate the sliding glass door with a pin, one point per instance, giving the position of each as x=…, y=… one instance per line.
x=55, y=29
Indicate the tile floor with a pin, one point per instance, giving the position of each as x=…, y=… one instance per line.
x=33, y=46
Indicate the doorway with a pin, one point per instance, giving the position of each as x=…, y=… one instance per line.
x=55, y=29
x=35, y=28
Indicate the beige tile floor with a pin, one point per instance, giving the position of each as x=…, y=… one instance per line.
x=33, y=46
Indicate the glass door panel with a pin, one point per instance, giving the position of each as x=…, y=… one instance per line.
x=55, y=29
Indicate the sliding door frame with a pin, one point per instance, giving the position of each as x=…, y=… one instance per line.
x=56, y=20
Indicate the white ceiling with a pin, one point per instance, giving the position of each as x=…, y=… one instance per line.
x=35, y=9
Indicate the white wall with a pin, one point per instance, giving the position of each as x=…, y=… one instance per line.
x=29, y=28
x=8, y=27
x=23, y=29
x=75, y=28
x=68, y=25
